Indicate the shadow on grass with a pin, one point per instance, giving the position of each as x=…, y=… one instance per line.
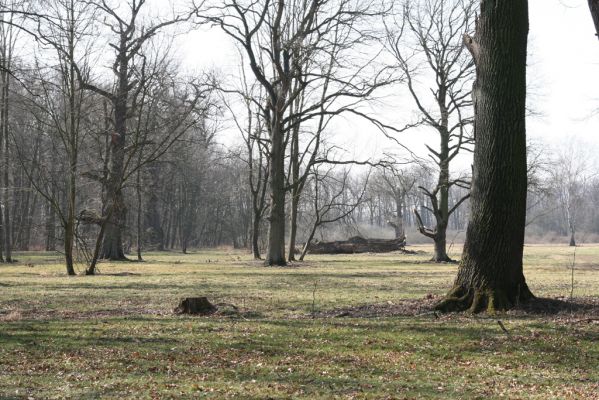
x=551, y=307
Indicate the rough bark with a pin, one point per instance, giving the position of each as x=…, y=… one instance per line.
x=440, y=247
x=112, y=247
x=490, y=277
x=276, y=230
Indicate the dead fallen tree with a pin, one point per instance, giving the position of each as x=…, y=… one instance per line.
x=358, y=244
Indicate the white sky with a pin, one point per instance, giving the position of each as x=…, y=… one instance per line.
x=563, y=79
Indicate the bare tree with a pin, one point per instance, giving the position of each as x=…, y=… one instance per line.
x=569, y=178
x=130, y=36
x=254, y=133
x=9, y=34
x=330, y=200
x=285, y=43
x=398, y=183
x=430, y=34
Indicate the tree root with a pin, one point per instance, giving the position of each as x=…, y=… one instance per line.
x=478, y=300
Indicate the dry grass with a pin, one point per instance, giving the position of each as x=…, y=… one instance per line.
x=114, y=335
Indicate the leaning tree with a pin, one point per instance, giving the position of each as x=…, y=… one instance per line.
x=490, y=276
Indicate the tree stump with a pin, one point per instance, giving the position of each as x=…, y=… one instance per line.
x=195, y=306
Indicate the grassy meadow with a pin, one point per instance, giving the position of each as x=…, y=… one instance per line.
x=333, y=327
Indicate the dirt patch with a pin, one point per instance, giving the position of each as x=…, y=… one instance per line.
x=560, y=309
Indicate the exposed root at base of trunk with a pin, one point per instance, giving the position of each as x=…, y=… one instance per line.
x=477, y=300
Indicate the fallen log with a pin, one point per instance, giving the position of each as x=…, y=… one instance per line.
x=358, y=244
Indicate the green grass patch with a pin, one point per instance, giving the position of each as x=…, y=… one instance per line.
x=114, y=335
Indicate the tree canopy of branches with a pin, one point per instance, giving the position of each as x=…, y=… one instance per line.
x=297, y=52
x=430, y=33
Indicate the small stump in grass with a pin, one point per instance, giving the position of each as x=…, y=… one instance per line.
x=195, y=305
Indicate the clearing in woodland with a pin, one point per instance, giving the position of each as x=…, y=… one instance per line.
x=343, y=327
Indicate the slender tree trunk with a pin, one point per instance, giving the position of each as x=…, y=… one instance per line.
x=295, y=191
x=51, y=226
x=30, y=221
x=442, y=207
x=6, y=172
x=70, y=224
x=309, y=240
x=69, y=239
x=255, y=235
x=155, y=236
x=399, y=223
x=490, y=276
x=293, y=224
x=139, y=236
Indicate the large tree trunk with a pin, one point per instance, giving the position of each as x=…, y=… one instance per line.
x=594, y=7
x=440, y=248
x=112, y=247
x=276, y=231
x=490, y=276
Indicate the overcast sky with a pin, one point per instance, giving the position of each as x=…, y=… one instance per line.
x=563, y=78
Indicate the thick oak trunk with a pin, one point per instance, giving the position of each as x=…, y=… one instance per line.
x=490, y=276
x=276, y=230
x=440, y=247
